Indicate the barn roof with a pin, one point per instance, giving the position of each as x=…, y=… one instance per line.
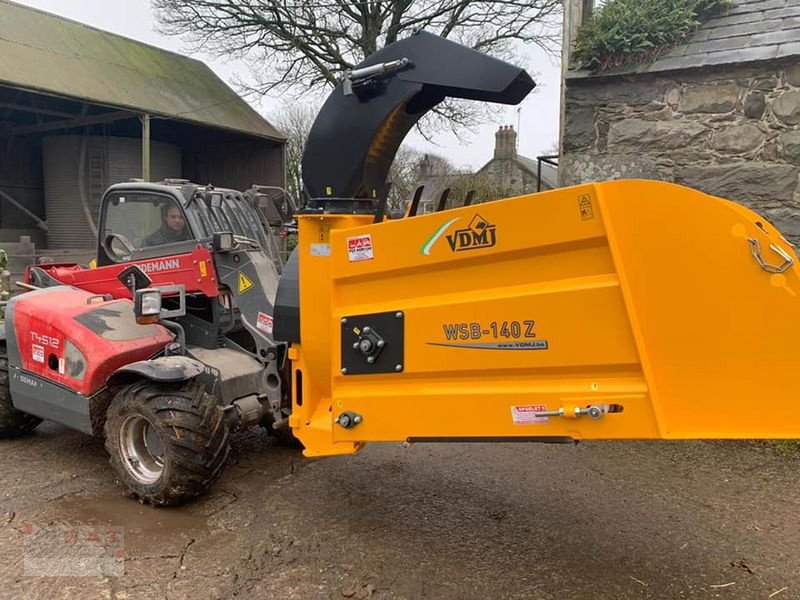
x=49, y=54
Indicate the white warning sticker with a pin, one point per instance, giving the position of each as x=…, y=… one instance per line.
x=320, y=249
x=38, y=353
x=264, y=323
x=359, y=248
x=526, y=415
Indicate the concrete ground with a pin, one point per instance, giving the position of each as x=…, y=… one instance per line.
x=598, y=520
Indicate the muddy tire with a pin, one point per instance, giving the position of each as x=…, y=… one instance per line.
x=167, y=443
x=12, y=421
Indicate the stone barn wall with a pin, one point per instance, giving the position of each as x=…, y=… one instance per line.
x=729, y=131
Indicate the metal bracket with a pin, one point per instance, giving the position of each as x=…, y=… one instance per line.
x=348, y=420
x=755, y=250
x=373, y=343
x=594, y=412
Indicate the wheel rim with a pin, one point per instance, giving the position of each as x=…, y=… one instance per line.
x=141, y=449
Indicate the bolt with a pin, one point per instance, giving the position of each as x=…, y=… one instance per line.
x=381, y=343
x=365, y=345
x=405, y=445
x=344, y=370
x=370, y=359
x=357, y=419
x=344, y=420
x=398, y=315
x=344, y=321
x=398, y=368
x=355, y=345
x=367, y=329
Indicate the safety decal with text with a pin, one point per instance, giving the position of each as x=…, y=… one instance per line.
x=494, y=335
x=360, y=248
x=264, y=323
x=244, y=283
x=38, y=353
x=320, y=249
x=527, y=415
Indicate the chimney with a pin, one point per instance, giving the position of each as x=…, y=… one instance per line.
x=505, y=142
x=425, y=167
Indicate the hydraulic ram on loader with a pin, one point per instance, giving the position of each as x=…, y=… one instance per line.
x=627, y=309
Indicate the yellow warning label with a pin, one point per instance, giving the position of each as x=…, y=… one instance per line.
x=585, y=207
x=203, y=269
x=325, y=233
x=244, y=283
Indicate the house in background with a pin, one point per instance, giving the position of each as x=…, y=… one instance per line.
x=506, y=174
x=719, y=113
x=81, y=109
x=514, y=173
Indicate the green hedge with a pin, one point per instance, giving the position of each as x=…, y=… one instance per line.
x=626, y=32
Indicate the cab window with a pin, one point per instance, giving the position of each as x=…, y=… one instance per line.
x=139, y=221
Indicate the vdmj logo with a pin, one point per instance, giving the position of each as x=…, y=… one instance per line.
x=478, y=234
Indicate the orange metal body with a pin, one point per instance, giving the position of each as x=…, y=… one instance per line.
x=644, y=299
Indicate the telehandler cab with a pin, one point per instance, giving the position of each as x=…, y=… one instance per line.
x=626, y=309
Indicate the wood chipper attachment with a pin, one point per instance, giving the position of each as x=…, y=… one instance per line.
x=626, y=309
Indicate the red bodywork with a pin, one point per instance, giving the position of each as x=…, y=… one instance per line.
x=104, y=332
x=195, y=271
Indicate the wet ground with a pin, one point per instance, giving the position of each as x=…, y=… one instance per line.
x=600, y=521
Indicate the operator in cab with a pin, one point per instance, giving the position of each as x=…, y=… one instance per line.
x=173, y=227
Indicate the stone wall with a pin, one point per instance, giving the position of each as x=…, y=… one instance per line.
x=732, y=132
x=509, y=176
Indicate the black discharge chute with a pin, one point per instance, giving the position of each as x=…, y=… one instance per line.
x=355, y=137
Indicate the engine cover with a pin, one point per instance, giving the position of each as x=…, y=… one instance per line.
x=76, y=339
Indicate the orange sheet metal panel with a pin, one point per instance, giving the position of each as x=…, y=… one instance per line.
x=642, y=298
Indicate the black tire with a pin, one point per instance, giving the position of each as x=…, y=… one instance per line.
x=13, y=422
x=284, y=437
x=167, y=443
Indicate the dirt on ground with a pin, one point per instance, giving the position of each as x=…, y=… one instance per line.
x=455, y=521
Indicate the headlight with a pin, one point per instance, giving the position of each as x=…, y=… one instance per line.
x=76, y=363
x=147, y=305
x=222, y=241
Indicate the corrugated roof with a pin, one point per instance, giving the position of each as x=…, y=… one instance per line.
x=746, y=31
x=43, y=52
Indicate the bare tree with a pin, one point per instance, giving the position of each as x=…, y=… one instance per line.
x=294, y=121
x=298, y=46
x=404, y=176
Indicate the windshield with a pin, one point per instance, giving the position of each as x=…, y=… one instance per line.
x=136, y=221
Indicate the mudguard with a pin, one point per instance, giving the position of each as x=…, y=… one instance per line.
x=167, y=369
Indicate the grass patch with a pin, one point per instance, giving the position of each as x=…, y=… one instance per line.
x=786, y=445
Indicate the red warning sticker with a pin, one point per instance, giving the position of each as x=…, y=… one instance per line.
x=264, y=323
x=527, y=415
x=359, y=248
x=38, y=353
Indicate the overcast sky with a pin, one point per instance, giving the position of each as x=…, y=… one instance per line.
x=538, y=117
